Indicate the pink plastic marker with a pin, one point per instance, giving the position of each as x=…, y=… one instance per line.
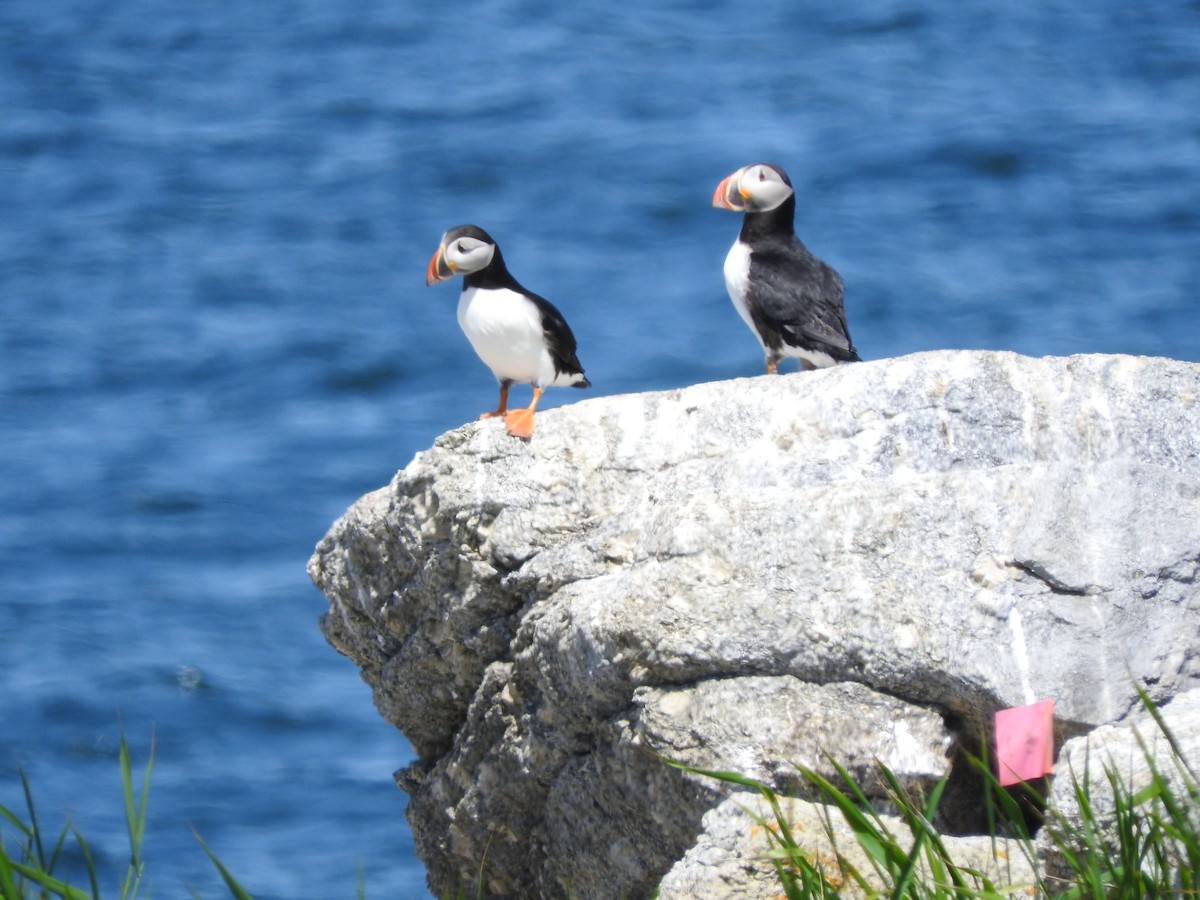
x=1025, y=742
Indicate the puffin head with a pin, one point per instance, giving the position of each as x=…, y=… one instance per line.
x=759, y=187
x=463, y=250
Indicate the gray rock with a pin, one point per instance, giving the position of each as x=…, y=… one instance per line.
x=707, y=573
x=730, y=721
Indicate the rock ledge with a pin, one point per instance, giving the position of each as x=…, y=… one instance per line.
x=867, y=560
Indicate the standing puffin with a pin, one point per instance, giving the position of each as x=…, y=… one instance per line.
x=520, y=336
x=791, y=300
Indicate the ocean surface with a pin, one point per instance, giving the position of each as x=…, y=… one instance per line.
x=215, y=334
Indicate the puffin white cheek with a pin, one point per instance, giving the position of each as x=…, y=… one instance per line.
x=470, y=258
x=766, y=194
x=481, y=256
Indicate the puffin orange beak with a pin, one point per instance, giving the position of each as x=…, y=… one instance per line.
x=439, y=268
x=727, y=195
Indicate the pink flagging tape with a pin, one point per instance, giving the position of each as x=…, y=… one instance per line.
x=1025, y=742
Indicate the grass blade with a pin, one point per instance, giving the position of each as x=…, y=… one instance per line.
x=47, y=882
x=1176, y=749
x=135, y=812
x=869, y=831
x=15, y=822
x=135, y=815
x=238, y=892
x=34, y=831
x=916, y=824
x=728, y=777
x=58, y=846
x=8, y=887
x=88, y=862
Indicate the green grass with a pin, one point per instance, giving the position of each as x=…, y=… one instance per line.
x=1148, y=846
x=912, y=862
x=28, y=865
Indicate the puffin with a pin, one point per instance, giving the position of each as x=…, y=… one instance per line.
x=520, y=336
x=791, y=300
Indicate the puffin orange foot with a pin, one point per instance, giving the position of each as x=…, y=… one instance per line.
x=519, y=423
x=492, y=414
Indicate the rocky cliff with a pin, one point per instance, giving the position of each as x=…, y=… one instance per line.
x=867, y=560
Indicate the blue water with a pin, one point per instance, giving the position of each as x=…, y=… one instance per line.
x=215, y=334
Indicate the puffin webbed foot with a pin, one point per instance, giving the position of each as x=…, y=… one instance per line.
x=519, y=423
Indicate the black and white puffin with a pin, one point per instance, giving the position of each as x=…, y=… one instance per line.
x=520, y=336
x=791, y=300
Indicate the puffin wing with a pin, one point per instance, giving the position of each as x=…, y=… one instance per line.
x=801, y=297
x=560, y=341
